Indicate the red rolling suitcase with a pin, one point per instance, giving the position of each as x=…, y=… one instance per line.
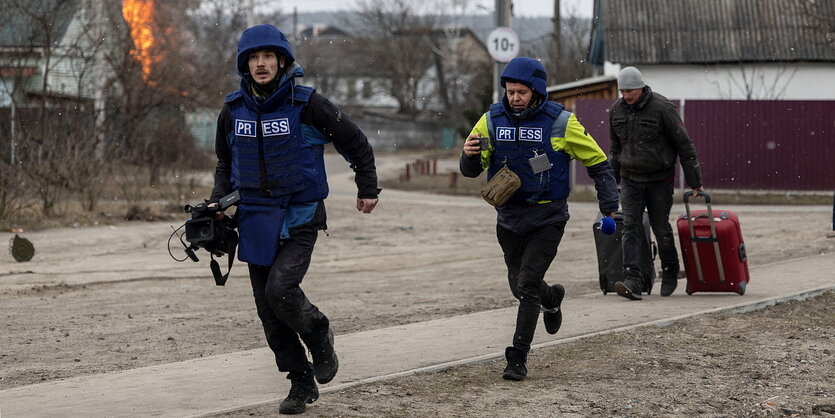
x=712, y=249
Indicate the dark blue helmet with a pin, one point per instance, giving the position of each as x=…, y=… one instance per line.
x=527, y=71
x=262, y=37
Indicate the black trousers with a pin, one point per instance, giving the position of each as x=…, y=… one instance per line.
x=285, y=312
x=527, y=258
x=657, y=198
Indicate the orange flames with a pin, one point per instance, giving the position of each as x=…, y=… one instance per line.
x=139, y=14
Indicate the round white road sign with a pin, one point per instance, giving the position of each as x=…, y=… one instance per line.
x=503, y=44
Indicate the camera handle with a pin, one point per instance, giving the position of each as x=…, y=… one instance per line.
x=232, y=245
x=190, y=253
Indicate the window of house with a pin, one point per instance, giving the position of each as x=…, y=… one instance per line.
x=352, y=89
x=367, y=92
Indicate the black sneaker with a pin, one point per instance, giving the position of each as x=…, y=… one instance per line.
x=553, y=317
x=628, y=289
x=325, y=363
x=296, y=401
x=516, y=359
x=669, y=281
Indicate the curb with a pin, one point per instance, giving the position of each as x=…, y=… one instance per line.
x=744, y=307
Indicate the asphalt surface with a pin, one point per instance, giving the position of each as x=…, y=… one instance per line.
x=237, y=380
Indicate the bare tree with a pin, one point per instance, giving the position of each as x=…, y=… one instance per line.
x=570, y=63
x=462, y=74
x=398, y=36
x=51, y=123
x=213, y=27
x=105, y=98
x=428, y=62
x=12, y=186
x=149, y=94
x=756, y=83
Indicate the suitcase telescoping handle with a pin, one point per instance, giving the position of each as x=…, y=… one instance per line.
x=694, y=240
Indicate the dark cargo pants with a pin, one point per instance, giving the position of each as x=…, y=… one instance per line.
x=285, y=312
x=527, y=258
x=657, y=198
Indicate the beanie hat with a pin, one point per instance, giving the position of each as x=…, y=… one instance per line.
x=630, y=78
x=262, y=37
x=527, y=71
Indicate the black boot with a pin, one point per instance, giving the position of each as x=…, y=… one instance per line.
x=629, y=288
x=516, y=359
x=669, y=281
x=325, y=363
x=301, y=394
x=553, y=317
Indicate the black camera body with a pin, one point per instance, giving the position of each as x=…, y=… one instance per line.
x=203, y=230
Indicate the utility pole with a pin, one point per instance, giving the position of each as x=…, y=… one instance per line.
x=295, y=26
x=13, y=141
x=503, y=8
x=557, y=39
x=250, y=14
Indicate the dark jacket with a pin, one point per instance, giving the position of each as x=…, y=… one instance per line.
x=647, y=137
x=522, y=217
x=263, y=222
x=321, y=121
x=326, y=118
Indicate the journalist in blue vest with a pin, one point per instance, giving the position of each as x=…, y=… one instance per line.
x=533, y=139
x=270, y=141
x=647, y=137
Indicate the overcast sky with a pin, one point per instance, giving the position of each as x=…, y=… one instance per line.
x=520, y=7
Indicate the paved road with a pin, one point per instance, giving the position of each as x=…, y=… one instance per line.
x=232, y=381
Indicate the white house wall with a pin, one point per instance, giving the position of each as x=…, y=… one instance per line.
x=781, y=81
x=6, y=88
x=342, y=94
x=65, y=75
x=77, y=67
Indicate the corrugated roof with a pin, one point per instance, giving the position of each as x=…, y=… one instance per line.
x=711, y=31
x=23, y=26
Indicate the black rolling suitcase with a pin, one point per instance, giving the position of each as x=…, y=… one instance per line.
x=610, y=255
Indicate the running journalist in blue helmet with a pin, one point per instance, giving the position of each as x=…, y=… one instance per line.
x=270, y=141
x=535, y=139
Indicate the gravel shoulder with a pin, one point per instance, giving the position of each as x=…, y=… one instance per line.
x=779, y=361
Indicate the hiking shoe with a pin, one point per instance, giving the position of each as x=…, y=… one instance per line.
x=516, y=359
x=300, y=395
x=325, y=363
x=629, y=289
x=669, y=281
x=553, y=317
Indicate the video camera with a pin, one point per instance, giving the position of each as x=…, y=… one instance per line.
x=203, y=230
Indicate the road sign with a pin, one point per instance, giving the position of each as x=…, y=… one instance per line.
x=503, y=44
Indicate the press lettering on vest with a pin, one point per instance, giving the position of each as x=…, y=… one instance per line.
x=275, y=127
x=505, y=134
x=530, y=134
x=244, y=127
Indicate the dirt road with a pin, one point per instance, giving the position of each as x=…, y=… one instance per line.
x=110, y=298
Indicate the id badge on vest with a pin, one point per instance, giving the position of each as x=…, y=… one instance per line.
x=539, y=163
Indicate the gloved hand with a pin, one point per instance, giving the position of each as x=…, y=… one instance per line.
x=607, y=225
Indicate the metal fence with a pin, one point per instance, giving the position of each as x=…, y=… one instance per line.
x=746, y=145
